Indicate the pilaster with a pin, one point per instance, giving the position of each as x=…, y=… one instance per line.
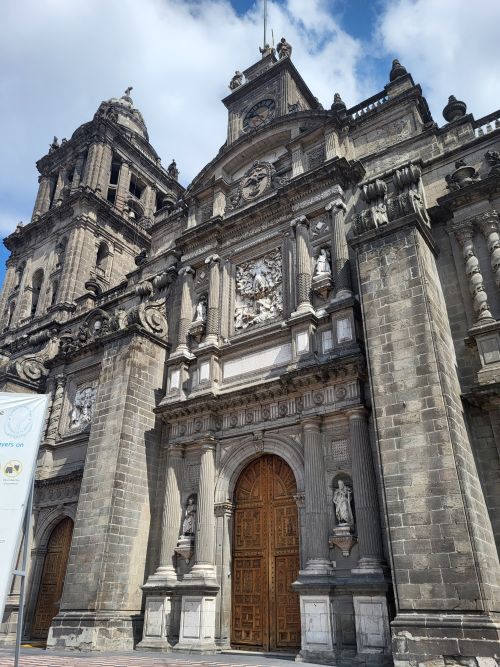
x=304, y=269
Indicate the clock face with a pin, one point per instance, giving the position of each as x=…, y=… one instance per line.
x=260, y=113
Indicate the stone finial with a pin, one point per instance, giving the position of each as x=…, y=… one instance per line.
x=463, y=175
x=236, y=81
x=338, y=104
x=54, y=145
x=397, y=70
x=172, y=170
x=284, y=49
x=454, y=109
x=126, y=95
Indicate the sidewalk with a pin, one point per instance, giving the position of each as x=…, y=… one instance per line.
x=32, y=657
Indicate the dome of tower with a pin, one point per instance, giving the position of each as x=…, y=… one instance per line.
x=122, y=111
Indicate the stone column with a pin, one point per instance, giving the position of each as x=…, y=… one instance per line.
x=365, y=494
x=303, y=277
x=317, y=549
x=70, y=270
x=61, y=181
x=123, y=186
x=78, y=173
x=224, y=514
x=42, y=202
x=104, y=169
x=464, y=235
x=204, y=566
x=488, y=223
x=8, y=286
x=172, y=511
x=186, y=314
x=341, y=272
x=212, y=332
x=58, y=383
x=93, y=164
x=297, y=161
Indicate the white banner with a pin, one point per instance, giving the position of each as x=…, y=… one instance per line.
x=22, y=417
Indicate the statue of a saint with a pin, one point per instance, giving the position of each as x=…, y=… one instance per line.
x=189, y=523
x=342, y=502
x=284, y=49
x=201, y=310
x=236, y=81
x=322, y=263
x=172, y=170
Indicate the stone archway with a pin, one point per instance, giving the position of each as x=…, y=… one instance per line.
x=265, y=557
x=52, y=579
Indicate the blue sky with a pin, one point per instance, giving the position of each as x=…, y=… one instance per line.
x=60, y=59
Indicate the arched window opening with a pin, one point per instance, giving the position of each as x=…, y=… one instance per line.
x=136, y=187
x=19, y=274
x=101, y=262
x=36, y=288
x=60, y=252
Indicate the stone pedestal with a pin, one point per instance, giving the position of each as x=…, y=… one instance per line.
x=373, y=635
x=317, y=627
x=197, y=631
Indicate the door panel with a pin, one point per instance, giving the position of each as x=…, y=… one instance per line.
x=265, y=609
x=52, y=581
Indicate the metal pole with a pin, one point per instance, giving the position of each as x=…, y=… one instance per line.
x=22, y=573
x=265, y=23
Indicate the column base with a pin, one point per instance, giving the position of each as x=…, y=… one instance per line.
x=317, y=626
x=303, y=309
x=317, y=567
x=197, y=630
x=367, y=565
x=95, y=631
x=201, y=575
x=164, y=577
x=438, y=638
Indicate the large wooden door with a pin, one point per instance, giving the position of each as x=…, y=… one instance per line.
x=51, y=585
x=265, y=609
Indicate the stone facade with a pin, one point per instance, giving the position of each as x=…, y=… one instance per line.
x=325, y=293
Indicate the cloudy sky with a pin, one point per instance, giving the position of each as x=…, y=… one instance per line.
x=60, y=58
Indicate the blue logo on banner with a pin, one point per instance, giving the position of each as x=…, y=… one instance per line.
x=19, y=421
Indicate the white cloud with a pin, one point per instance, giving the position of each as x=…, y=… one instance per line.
x=60, y=59
x=450, y=46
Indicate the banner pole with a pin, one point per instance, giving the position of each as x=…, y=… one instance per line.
x=22, y=574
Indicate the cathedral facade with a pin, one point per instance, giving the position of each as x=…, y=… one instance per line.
x=275, y=408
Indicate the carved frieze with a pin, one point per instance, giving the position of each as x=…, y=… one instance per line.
x=259, y=294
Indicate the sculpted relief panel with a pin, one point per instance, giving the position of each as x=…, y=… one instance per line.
x=83, y=408
x=259, y=293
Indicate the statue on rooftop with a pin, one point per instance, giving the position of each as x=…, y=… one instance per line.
x=54, y=145
x=236, y=81
x=284, y=49
x=172, y=170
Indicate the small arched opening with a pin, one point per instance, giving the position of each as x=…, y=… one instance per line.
x=36, y=288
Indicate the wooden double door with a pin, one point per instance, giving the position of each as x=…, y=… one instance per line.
x=52, y=582
x=265, y=609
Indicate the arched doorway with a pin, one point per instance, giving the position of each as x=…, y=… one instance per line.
x=52, y=581
x=265, y=609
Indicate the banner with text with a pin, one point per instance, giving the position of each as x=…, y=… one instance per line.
x=22, y=417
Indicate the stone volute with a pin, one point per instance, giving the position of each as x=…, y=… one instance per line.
x=454, y=110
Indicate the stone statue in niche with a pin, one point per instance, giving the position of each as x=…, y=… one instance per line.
x=258, y=290
x=201, y=310
x=189, y=523
x=185, y=544
x=83, y=408
x=342, y=501
x=322, y=263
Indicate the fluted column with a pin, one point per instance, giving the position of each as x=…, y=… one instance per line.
x=123, y=186
x=340, y=252
x=61, y=182
x=104, y=169
x=78, y=173
x=213, y=299
x=317, y=549
x=303, y=278
x=365, y=493
x=70, y=270
x=93, y=164
x=297, y=161
x=58, y=383
x=464, y=235
x=186, y=314
x=42, y=202
x=205, y=519
x=488, y=223
x=172, y=511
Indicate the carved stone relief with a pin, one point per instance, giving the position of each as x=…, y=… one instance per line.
x=259, y=294
x=83, y=408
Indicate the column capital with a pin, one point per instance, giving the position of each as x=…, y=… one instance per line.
x=463, y=231
x=336, y=205
x=212, y=259
x=224, y=509
x=186, y=271
x=302, y=220
x=207, y=443
x=487, y=221
x=175, y=450
x=359, y=413
x=312, y=423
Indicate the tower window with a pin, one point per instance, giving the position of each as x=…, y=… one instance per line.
x=136, y=187
x=36, y=287
x=53, y=296
x=115, y=172
x=101, y=262
x=12, y=308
